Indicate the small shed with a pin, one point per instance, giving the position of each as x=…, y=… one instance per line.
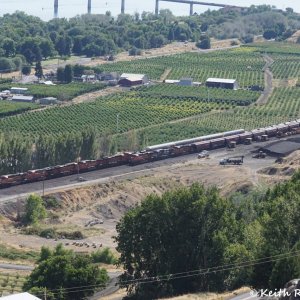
x=222, y=83
x=171, y=81
x=22, y=296
x=186, y=82
x=48, y=101
x=107, y=76
x=133, y=79
x=88, y=78
x=22, y=98
x=18, y=90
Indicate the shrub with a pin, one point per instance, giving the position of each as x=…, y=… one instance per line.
x=104, y=256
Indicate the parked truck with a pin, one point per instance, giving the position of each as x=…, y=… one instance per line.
x=260, y=154
x=236, y=160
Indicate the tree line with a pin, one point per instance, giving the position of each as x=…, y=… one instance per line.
x=26, y=39
x=227, y=239
x=19, y=153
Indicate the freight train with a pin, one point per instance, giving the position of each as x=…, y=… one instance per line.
x=155, y=153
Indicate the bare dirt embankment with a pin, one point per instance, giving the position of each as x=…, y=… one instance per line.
x=283, y=169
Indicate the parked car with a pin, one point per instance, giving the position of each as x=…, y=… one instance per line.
x=203, y=154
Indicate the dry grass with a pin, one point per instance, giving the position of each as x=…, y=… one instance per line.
x=211, y=296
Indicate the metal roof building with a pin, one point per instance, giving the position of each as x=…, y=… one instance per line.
x=22, y=98
x=23, y=296
x=222, y=83
x=18, y=90
x=127, y=79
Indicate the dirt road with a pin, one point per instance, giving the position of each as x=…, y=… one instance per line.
x=268, y=77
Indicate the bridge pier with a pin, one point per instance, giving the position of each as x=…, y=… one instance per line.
x=123, y=7
x=191, y=9
x=55, y=8
x=89, y=7
x=156, y=7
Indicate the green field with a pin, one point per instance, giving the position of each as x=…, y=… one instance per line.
x=8, y=108
x=161, y=113
x=283, y=106
x=60, y=91
x=243, y=64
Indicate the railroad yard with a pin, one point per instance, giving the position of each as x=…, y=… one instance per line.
x=107, y=194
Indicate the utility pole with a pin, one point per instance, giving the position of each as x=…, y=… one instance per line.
x=45, y=294
x=43, y=187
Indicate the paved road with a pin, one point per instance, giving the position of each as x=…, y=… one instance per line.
x=16, y=267
x=111, y=288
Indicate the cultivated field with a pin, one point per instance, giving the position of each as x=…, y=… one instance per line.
x=162, y=112
x=60, y=91
x=136, y=109
x=243, y=64
x=8, y=108
x=284, y=105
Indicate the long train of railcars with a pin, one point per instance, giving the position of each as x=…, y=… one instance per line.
x=154, y=153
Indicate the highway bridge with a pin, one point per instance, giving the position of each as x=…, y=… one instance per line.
x=190, y=2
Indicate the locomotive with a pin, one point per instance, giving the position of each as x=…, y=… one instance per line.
x=154, y=153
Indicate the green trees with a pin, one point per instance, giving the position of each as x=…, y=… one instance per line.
x=6, y=65
x=184, y=230
x=9, y=47
x=65, y=75
x=35, y=210
x=60, y=271
x=281, y=231
x=26, y=70
x=68, y=74
x=103, y=35
x=195, y=229
x=204, y=43
x=39, y=70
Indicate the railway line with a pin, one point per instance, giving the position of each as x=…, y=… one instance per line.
x=131, y=165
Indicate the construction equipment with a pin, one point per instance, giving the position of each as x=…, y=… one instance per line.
x=260, y=154
x=236, y=160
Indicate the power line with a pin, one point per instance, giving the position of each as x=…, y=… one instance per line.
x=188, y=274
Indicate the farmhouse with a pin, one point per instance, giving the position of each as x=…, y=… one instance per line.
x=222, y=83
x=48, y=101
x=88, y=78
x=22, y=98
x=133, y=79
